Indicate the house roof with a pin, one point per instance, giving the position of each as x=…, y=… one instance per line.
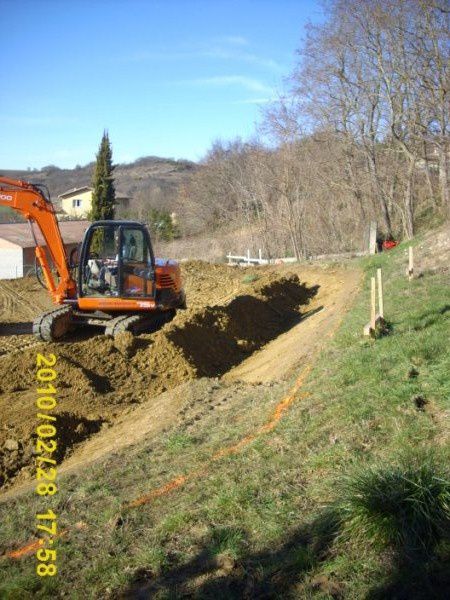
x=75, y=191
x=20, y=234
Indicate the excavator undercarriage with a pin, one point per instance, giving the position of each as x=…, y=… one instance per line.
x=54, y=324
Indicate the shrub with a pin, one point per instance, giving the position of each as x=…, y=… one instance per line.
x=405, y=506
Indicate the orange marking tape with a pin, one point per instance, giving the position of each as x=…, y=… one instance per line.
x=30, y=547
x=234, y=449
x=164, y=489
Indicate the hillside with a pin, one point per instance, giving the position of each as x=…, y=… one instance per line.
x=147, y=176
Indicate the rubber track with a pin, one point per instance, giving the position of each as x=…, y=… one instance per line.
x=44, y=325
x=137, y=323
x=121, y=324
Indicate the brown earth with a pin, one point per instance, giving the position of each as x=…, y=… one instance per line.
x=241, y=324
x=433, y=253
x=21, y=300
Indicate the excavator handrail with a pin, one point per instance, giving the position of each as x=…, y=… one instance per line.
x=27, y=199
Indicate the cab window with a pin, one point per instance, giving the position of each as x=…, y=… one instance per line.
x=137, y=269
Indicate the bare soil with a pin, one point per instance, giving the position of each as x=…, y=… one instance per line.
x=433, y=253
x=242, y=327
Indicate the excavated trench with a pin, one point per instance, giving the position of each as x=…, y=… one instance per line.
x=100, y=378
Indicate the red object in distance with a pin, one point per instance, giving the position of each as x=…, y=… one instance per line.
x=388, y=245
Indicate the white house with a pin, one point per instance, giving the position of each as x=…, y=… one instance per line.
x=77, y=202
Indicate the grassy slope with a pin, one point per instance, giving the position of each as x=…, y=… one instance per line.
x=255, y=525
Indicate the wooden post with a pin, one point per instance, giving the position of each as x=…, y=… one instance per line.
x=260, y=255
x=372, y=304
x=411, y=263
x=373, y=237
x=369, y=328
x=380, y=294
x=248, y=256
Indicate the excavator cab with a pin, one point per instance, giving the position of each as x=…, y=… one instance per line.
x=121, y=286
x=117, y=261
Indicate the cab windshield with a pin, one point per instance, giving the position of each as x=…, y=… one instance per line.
x=117, y=263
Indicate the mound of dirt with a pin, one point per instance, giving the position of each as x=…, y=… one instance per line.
x=99, y=378
x=18, y=436
x=214, y=339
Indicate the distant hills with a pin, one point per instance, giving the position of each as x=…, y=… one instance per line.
x=150, y=178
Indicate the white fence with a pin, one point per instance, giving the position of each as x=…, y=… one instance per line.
x=247, y=260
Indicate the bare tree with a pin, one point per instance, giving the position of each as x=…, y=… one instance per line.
x=361, y=133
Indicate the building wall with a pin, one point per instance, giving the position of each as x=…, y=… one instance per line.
x=11, y=260
x=29, y=257
x=82, y=201
x=18, y=262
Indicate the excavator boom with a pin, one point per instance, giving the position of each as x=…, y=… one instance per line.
x=31, y=203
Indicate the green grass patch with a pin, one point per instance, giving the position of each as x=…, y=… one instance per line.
x=178, y=442
x=250, y=278
x=405, y=506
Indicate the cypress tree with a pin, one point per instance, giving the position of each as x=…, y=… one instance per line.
x=104, y=195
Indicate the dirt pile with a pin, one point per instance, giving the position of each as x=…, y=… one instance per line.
x=18, y=436
x=214, y=339
x=198, y=342
x=230, y=316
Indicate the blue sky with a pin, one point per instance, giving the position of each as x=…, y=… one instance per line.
x=165, y=78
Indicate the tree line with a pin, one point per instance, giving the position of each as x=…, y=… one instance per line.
x=361, y=133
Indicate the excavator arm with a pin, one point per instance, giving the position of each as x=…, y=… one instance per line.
x=30, y=202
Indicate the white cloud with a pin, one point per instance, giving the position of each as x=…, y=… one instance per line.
x=229, y=48
x=254, y=85
x=254, y=101
x=239, y=56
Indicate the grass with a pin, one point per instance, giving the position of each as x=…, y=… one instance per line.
x=250, y=278
x=405, y=506
x=178, y=442
x=351, y=483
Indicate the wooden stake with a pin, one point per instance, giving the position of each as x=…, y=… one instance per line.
x=373, y=237
x=380, y=294
x=411, y=263
x=372, y=304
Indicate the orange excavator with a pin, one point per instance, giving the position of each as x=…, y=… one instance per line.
x=112, y=281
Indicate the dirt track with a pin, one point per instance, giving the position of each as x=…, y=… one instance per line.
x=241, y=325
